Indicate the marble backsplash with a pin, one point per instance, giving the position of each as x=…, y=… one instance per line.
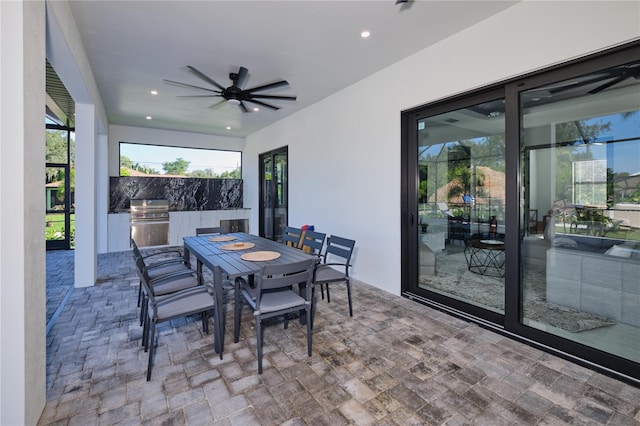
x=184, y=194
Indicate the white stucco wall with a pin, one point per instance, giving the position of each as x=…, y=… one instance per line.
x=22, y=247
x=344, y=152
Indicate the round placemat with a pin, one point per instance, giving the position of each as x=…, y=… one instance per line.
x=222, y=238
x=257, y=256
x=238, y=246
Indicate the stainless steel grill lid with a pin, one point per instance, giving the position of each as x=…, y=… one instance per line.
x=150, y=222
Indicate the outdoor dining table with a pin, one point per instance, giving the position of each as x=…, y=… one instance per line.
x=227, y=254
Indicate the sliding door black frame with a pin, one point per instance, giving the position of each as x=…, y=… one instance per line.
x=510, y=323
x=409, y=187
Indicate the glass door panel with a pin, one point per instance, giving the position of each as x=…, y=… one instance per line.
x=281, y=194
x=57, y=145
x=59, y=188
x=581, y=163
x=55, y=219
x=273, y=193
x=266, y=186
x=461, y=205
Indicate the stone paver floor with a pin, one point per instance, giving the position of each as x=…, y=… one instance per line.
x=396, y=362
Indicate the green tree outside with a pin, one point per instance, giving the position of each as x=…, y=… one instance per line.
x=177, y=167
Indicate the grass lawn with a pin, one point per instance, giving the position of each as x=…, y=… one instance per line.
x=54, y=229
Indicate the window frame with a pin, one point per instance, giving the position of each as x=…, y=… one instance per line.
x=178, y=147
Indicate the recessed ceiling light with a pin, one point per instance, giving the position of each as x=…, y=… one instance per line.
x=154, y=92
x=228, y=127
x=365, y=34
x=256, y=109
x=148, y=117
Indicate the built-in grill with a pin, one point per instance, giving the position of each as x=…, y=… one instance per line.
x=150, y=222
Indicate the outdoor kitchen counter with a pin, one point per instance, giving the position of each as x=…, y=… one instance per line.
x=181, y=224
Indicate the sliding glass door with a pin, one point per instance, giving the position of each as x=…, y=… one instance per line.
x=460, y=211
x=521, y=209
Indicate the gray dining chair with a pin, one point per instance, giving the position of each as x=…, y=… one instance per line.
x=159, y=264
x=335, y=266
x=165, y=279
x=312, y=242
x=273, y=296
x=291, y=236
x=198, y=299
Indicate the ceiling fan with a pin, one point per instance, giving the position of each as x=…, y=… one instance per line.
x=234, y=94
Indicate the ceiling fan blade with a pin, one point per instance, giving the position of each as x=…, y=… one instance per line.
x=242, y=76
x=268, y=86
x=586, y=82
x=217, y=104
x=177, y=83
x=284, y=98
x=243, y=107
x=609, y=84
x=204, y=77
x=197, y=96
x=264, y=104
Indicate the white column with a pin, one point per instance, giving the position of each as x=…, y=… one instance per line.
x=102, y=192
x=86, y=261
x=22, y=195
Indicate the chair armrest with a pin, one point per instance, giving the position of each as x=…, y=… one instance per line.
x=162, y=253
x=177, y=295
x=328, y=265
x=322, y=265
x=175, y=274
x=164, y=263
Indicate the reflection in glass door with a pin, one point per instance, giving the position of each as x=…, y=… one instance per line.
x=538, y=237
x=273, y=193
x=581, y=147
x=461, y=205
x=59, y=188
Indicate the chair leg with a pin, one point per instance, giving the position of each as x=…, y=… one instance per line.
x=309, y=330
x=349, y=298
x=145, y=334
x=237, y=313
x=218, y=332
x=142, y=306
x=152, y=334
x=144, y=337
x=139, y=293
x=314, y=302
x=328, y=295
x=205, y=322
x=322, y=290
x=259, y=342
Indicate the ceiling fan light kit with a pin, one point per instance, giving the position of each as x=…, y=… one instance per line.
x=234, y=94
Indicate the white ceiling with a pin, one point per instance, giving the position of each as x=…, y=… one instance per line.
x=315, y=45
